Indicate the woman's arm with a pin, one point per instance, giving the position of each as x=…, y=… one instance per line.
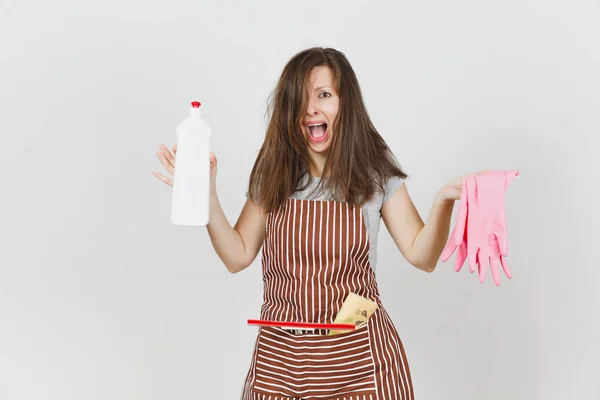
x=236, y=246
x=423, y=244
x=420, y=243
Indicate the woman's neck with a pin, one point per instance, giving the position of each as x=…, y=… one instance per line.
x=317, y=164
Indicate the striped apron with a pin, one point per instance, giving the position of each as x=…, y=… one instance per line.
x=315, y=253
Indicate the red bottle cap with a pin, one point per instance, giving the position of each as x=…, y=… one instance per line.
x=196, y=104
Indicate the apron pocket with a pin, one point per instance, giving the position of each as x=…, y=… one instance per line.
x=311, y=366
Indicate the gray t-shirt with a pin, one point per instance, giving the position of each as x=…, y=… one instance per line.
x=371, y=210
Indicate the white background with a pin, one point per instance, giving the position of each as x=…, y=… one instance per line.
x=101, y=297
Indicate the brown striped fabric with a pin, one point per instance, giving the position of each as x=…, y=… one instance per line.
x=315, y=253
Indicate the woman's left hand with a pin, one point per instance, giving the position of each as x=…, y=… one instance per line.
x=453, y=190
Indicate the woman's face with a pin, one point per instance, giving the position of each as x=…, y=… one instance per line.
x=323, y=104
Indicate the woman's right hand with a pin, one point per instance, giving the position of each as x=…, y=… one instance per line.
x=168, y=161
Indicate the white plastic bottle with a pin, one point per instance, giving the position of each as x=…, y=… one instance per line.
x=191, y=179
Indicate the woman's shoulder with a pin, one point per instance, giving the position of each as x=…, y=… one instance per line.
x=390, y=187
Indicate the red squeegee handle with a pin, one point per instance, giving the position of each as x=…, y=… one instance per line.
x=301, y=325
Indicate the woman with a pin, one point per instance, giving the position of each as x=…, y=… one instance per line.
x=322, y=181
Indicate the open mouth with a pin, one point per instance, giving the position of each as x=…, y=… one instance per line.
x=317, y=132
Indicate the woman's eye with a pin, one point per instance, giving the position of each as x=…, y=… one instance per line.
x=325, y=94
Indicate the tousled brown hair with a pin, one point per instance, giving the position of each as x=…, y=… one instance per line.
x=359, y=162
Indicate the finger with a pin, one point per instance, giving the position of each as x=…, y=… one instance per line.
x=165, y=162
x=175, y=149
x=495, y=267
x=461, y=253
x=461, y=220
x=168, y=156
x=505, y=267
x=483, y=263
x=472, y=247
x=448, y=250
x=457, y=235
x=461, y=256
x=472, y=256
x=163, y=178
x=494, y=253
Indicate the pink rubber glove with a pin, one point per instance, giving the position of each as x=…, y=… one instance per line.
x=458, y=238
x=480, y=230
x=486, y=223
